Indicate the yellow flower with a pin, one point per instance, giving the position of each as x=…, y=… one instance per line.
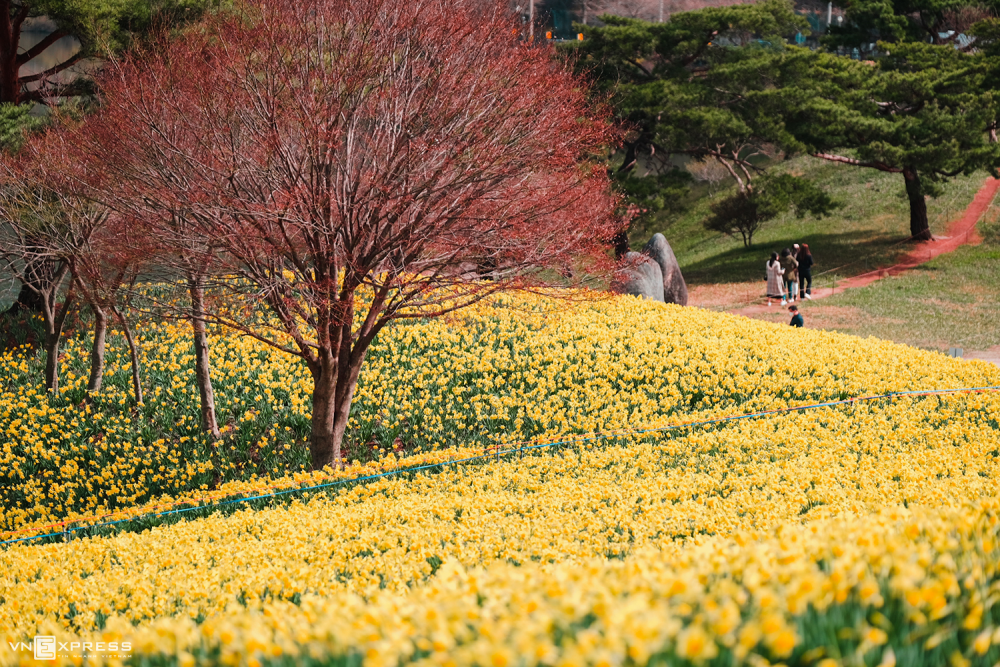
x=597, y=551
x=695, y=644
x=982, y=642
x=875, y=636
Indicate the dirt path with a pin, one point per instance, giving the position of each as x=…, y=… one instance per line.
x=959, y=232
x=992, y=355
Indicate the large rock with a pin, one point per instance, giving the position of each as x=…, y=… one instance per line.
x=640, y=276
x=675, y=290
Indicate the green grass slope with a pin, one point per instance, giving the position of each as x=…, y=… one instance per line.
x=862, y=235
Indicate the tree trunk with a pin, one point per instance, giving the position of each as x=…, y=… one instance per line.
x=203, y=370
x=10, y=88
x=620, y=240
x=52, y=362
x=133, y=354
x=27, y=299
x=486, y=268
x=324, y=446
x=333, y=394
x=621, y=244
x=54, y=323
x=97, y=352
x=920, y=229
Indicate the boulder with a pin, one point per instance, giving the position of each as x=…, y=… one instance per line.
x=640, y=276
x=674, y=288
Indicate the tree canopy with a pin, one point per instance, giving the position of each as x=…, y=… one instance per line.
x=16, y=123
x=940, y=22
x=745, y=212
x=920, y=110
x=99, y=26
x=663, y=79
x=722, y=83
x=347, y=193
x=671, y=85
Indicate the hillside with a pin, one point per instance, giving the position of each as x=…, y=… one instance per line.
x=868, y=231
x=729, y=542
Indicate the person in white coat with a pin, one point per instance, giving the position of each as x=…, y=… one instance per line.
x=775, y=280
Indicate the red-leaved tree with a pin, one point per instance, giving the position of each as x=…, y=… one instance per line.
x=51, y=223
x=354, y=162
x=44, y=227
x=152, y=184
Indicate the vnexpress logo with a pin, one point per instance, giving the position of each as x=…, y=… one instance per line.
x=44, y=647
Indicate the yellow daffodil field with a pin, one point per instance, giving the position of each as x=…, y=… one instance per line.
x=549, y=480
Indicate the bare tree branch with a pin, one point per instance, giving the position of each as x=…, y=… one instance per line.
x=881, y=166
x=40, y=47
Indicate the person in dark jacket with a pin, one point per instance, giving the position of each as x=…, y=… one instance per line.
x=791, y=277
x=805, y=260
x=796, y=316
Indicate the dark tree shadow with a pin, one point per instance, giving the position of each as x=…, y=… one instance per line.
x=855, y=252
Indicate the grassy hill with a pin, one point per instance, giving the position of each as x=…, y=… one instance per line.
x=947, y=302
x=950, y=301
x=863, y=530
x=648, y=523
x=864, y=234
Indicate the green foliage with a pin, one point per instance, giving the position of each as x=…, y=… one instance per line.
x=925, y=107
x=631, y=51
x=722, y=83
x=672, y=85
x=896, y=21
x=921, y=106
x=785, y=192
x=16, y=123
x=745, y=212
x=103, y=25
x=657, y=193
x=664, y=77
x=987, y=34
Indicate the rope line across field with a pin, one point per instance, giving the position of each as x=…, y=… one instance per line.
x=496, y=451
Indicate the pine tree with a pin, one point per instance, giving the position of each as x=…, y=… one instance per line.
x=672, y=85
x=921, y=110
x=98, y=25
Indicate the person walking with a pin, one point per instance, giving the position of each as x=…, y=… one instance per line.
x=790, y=267
x=805, y=260
x=796, y=316
x=775, y=286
